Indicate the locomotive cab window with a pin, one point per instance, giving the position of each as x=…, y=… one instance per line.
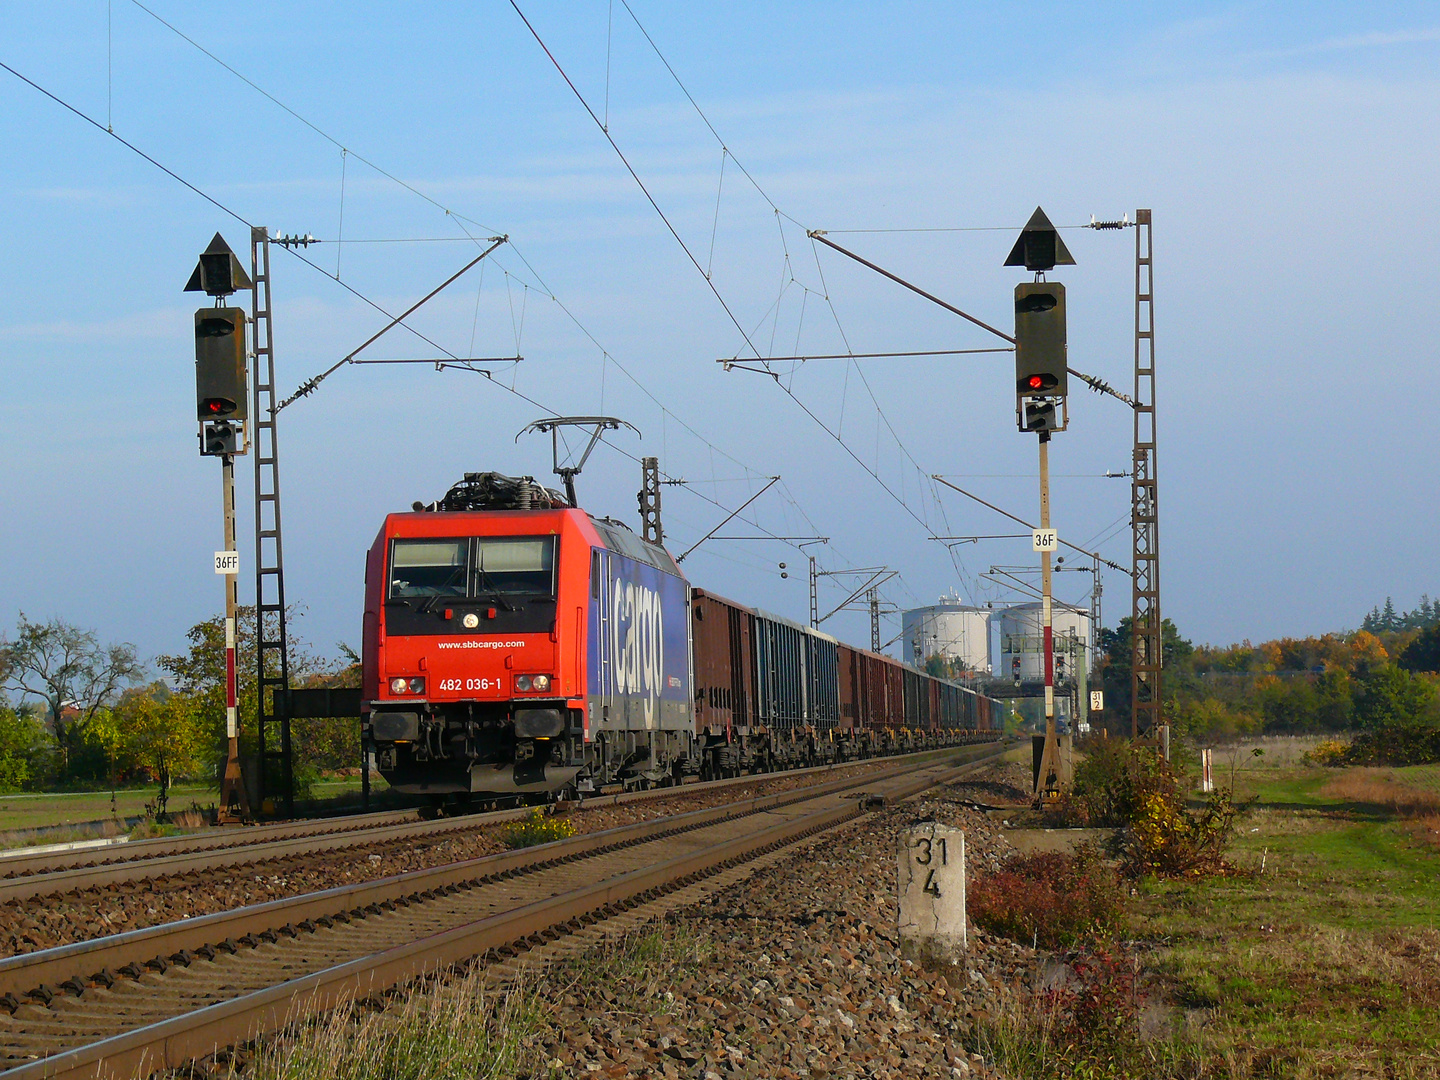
x=475, y=568
x=514, y=566
x=428, y=568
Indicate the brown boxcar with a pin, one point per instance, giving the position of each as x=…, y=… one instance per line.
x=849, y=680
x=895, y=691
x=748, y=719
x=723, y=644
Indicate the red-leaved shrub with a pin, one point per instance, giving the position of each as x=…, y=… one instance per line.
x=1048, y=898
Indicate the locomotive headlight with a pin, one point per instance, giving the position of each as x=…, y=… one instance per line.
x=522, y=682
x=399, y=686
x=540, y=682
x=417, y=685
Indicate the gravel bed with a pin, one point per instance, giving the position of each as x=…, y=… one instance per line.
x=26, y=926
x=795, y=972
x=1004, y=784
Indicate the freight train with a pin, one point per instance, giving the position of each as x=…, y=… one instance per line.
x=515, y=647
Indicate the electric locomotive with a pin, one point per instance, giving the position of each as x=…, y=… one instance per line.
x=514, y=645
x=517, y=647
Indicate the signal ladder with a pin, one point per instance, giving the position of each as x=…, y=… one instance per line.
x=272, y=725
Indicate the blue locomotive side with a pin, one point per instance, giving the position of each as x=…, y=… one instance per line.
x=638, y=663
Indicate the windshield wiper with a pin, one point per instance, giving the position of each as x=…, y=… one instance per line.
x=493, y=593
x=425, y=607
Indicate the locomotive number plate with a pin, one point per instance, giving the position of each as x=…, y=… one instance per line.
x=469, y=684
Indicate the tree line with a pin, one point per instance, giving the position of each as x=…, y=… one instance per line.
x=1388, y=620
x=76, y=713
x=1365, y=680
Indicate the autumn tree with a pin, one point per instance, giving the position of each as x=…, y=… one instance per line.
x=1116, y=663
x=199, y=673
x=67, y=668
x=162, y=731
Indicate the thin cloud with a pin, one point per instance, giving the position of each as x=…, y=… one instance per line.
x=1376, y=39
x=162, y=324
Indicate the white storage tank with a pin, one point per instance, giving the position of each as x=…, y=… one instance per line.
x=950, y=629
x=1022, y=639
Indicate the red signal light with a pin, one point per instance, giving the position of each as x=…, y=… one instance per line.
x=1036, y=382
x=216, y=406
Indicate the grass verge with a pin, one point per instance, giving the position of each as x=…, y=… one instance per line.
x=451, y=1030
x=1318, y=960
x=461, y=1028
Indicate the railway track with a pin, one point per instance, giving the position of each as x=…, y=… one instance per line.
x=160, y=997
x=28, y=877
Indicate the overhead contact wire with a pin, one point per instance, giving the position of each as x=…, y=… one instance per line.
x=356, y=292
x=460, y=219
x=636, y=177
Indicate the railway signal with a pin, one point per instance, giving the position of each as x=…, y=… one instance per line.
x=1040, y=388
x=1041, y=362
x=221, y=439
x=220, y=352
x=1039, y=247
x=219, y=272
x=220, y=406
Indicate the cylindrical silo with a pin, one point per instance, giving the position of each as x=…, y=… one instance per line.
x=1022, y=639
x=950, y=629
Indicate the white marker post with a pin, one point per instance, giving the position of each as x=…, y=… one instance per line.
x=234, y=801
x=932, y=887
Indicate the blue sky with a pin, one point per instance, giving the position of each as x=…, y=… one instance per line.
x=1288, y=153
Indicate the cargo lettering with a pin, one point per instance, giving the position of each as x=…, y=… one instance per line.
x=638, y=643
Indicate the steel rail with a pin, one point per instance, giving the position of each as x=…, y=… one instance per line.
x=70, y=967
x=22, y=863
x=51, y=866
x=174, y=1042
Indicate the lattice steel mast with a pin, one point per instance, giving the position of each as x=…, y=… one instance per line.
x=272, y=720
x=650, y=524
x=1147, y=708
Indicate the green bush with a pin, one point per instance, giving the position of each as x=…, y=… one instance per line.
x=1388, y=696
x=536, y=828
x=1134, y=788
x=1167, y=840
x=1404, y=742
x=1114, y=781
x=20, y=750
x=1328, y=752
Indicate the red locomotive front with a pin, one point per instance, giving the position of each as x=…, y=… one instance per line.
x=474, y=649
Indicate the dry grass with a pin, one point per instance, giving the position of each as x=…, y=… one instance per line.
x=1425, y=777
x=458, y=1029
x=1276, y=752
x=22, y=838
x=1427, y=829
x=1380, y=787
